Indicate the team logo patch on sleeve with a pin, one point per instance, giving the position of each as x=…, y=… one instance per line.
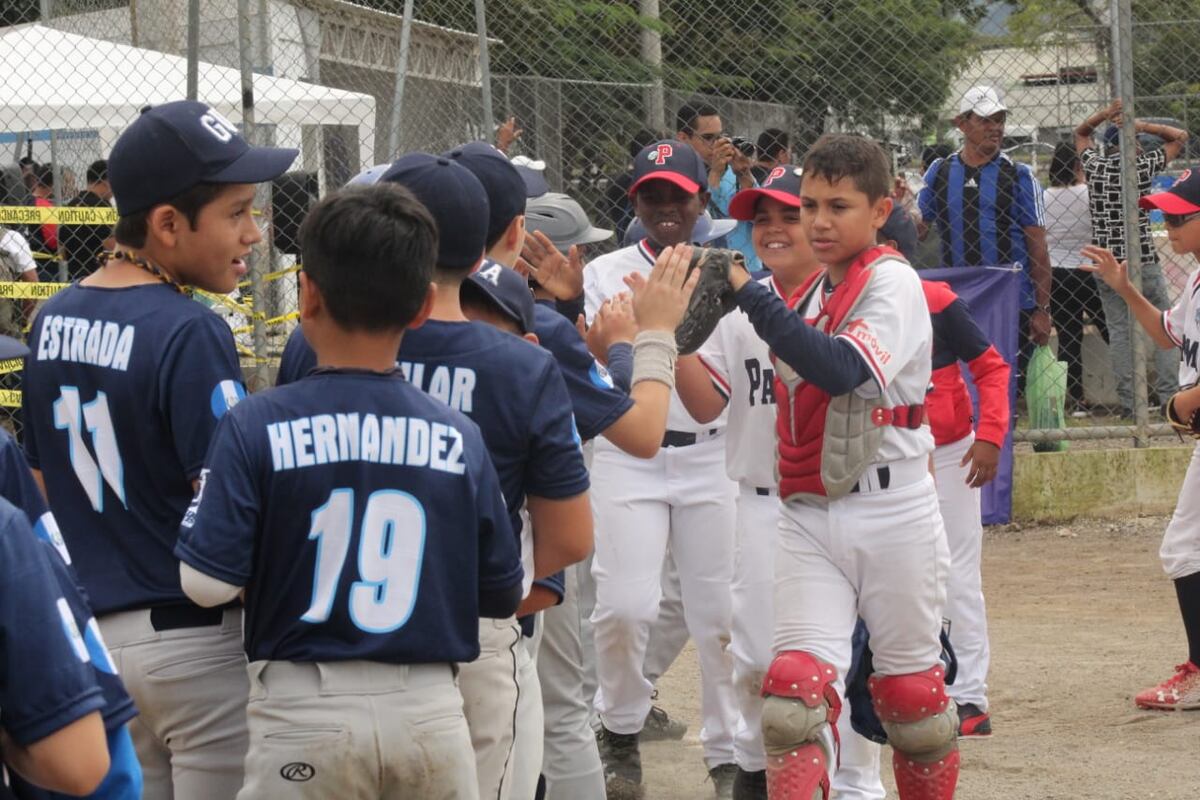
x=600, y=376
x=225, y=395
x=96, y=648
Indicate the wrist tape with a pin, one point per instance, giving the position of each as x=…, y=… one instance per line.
x=654, y=354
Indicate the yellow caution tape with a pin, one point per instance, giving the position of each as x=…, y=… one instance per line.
x=57, y=215
x=273, y=276
x=10, y=398
x=288, y=317
x=22, y=290
x=11, y=365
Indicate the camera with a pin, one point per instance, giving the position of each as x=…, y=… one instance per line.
x=744, y=146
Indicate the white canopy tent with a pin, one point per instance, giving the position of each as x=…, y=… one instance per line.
x=59, y=81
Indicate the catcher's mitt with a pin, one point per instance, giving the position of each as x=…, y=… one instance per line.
x=1190, y=426
x=712, y=299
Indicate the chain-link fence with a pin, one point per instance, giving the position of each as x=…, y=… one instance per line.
x=352, y=84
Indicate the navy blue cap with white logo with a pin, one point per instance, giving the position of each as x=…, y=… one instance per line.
x=673, y=161
x=454, y=197
x=782, y=184
x=172, y=147
x=504, y=186
x=506, y=290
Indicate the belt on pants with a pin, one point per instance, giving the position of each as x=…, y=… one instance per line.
x=683, y=439
x=878, y=477
x=185, y=615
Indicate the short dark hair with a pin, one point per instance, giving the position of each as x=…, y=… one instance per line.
x=1063, y=164
x=641, y=140
x=131, y=229
x=846, y=155
x=371, y=252
x=771, y=141
x=97, y=171
x=43, y=174
x=27, y=161
x=692, y=110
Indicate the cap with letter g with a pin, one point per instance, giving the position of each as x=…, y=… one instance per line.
x=174, y=146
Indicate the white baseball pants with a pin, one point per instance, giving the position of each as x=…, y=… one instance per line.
x=1180, y=550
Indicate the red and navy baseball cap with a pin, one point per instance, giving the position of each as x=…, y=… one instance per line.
x=172, y=147
x=455, y=198
x=782, y=184
x=1182, y=198
x=504, y=186
x=506, y=290
x=673, y=161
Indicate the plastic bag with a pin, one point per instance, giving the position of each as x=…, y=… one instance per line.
x=1045, y=395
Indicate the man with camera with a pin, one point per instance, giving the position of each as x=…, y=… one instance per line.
x=699, y=124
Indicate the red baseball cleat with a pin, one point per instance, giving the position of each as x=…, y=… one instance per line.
x=1180, y=692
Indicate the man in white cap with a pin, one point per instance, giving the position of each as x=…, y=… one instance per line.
x=988, y=209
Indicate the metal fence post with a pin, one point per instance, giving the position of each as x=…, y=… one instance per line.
x=656, y=106
x=193, y=49
x=262, y=199
x=1121, y=20
x=398, y=86
x=485, y=72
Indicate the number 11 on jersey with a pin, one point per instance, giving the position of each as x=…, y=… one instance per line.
x=391, y=545
x=73, y=415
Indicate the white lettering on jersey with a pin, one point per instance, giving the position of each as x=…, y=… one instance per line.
x=454, y=386
x=95, y=342
x=324, y=439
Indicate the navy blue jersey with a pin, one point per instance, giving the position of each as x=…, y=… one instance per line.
x=362, y=516
x=510, y=388
x=45, y=680
x=597, y=403
x=18, y=488
x=122, y=391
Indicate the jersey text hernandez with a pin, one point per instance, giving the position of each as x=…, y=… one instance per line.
x=333, y=438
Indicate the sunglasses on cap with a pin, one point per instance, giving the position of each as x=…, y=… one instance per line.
x=1179, y=220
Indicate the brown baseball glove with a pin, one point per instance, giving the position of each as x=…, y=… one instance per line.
x=1190, y=426
x=712, y=299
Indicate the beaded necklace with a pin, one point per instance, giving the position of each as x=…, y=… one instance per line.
x=148, y=266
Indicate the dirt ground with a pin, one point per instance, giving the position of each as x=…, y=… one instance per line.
x=1081, y=618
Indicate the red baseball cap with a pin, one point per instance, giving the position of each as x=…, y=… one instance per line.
x=1182, y=198
x=673, y=161
x=782, y=184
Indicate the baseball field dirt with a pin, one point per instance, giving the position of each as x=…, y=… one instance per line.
x=1081, y=618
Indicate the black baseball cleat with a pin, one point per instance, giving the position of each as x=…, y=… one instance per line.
x=622, y=765
x=750, y=785
x=723, y=776
x=659, y=727
x=973, y=723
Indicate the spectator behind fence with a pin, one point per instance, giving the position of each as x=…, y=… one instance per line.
x=1103, y=174
x=43, y=238
x=85, y=243
x=617, y=206
x=699, y=124
x=1068, y=231
x=988, y=210
x=774, y=150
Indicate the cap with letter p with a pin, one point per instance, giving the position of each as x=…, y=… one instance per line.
x=982, y=101
x=1182, y=198
x=172, y=147
x=673, y=161
x=782, y=184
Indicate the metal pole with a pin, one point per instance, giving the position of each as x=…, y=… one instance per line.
x=1122, y=46
x=56, y=170
x=655, y=95
x=193, y=49
x=401, y=74
x=485, y=71
x=261, y=198
x=44, y=9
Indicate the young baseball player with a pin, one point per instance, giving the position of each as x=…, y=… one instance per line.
x=1179, y=327
x=680, y=497
x=513, y=390
x=741, y=377
x=860, y=532
x=392, y=517
x=126, y=382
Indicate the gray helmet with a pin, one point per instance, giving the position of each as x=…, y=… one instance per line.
x=562, y=220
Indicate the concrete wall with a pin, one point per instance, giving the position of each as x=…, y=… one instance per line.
x=1051, y=487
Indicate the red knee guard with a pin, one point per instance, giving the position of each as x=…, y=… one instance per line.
x=909, y=698
x=933, y=780
x=804, y=677
x=799, y=775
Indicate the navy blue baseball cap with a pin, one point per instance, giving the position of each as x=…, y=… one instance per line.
x=1147, y=141
x=900, y=228
x=503, y=184
x=505, y=289
x=454, y=197
x=533, y=173
x=673, y=161
x=172, y=147
x=782, y=184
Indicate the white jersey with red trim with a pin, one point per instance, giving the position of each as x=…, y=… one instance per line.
x=603, y=278
x=740, y=365
x=890, y=329
x=1182, y=324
